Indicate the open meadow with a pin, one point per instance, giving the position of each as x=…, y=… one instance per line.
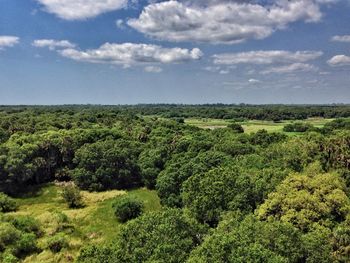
x=95, y=223
x=251, y=126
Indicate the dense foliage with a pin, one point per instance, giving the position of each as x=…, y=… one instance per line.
x=227, y=195
x=126, y=208
x=18, y=237
x=298, y=127
x=166, y=236
x=7, y=204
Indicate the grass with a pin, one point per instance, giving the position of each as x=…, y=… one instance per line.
x=251, y=126
x=94, y=223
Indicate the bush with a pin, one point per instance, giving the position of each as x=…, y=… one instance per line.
x=126, y=208
x=96, y=254
x=7, y=204
x=7, y=257
x=26, y=244
x=62, y=223
x=8, y=235
x=57, y=243
x=27, y=224
x=236, y=127
x=18, y=237
x=71, y=194
x=298, y=127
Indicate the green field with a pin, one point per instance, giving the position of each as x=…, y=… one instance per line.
x=252, y=125
x=94, y=223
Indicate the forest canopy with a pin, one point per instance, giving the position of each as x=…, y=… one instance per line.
x=226, y=195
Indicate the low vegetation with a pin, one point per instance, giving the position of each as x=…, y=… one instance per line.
x=7, y=204
x=71, y=194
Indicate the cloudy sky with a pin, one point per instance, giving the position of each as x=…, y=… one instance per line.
x=184, y=51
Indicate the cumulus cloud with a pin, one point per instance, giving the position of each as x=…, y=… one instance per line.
x=345, y=38
x=265, y=57
x=153, y=69
x=81, y=9
x=131, y=54
x=53, y=44
x=8, y=41
x=339, y=60
x=225, y=22
x=292, y=68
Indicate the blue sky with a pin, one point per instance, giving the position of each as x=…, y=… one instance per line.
x=185, y=51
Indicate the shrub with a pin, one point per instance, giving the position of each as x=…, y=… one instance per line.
x=96, y=254
x=27, y=224
x=62, y=223
x=236, y=127
x=26, y=244
x=7, y=257
x=71, y=194
x=18, y=237
x=57, y=242
x=298, y=127
x=264, y=138
x=8, y=235
x=126, y=208
x=7, y=204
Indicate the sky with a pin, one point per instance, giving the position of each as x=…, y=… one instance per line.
x=184, y=51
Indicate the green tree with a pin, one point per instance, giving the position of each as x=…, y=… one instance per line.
x=166, y=236
x=226, y=188
x=238, y=240
x=182, y=167
x=107, y=165
x=308, y=198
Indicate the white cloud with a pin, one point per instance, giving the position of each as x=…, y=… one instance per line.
x=324, y=73
x=339, y=60
x=218, y=69
x=254, y=81
x=224, y=71
x=120, y=23
x=345, y=38
x=153, y=69
x=222, y=21
x=131, y=54
x=8, y=41
x=81, y=9
x=53, y=44
x=212, y=69
x=292, y=68
x=265, y=57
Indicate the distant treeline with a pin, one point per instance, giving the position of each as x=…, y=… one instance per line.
x=217, y=111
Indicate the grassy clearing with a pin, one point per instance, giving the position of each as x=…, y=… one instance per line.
x=252, y=125
x=94, y=223
x=207, y=123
